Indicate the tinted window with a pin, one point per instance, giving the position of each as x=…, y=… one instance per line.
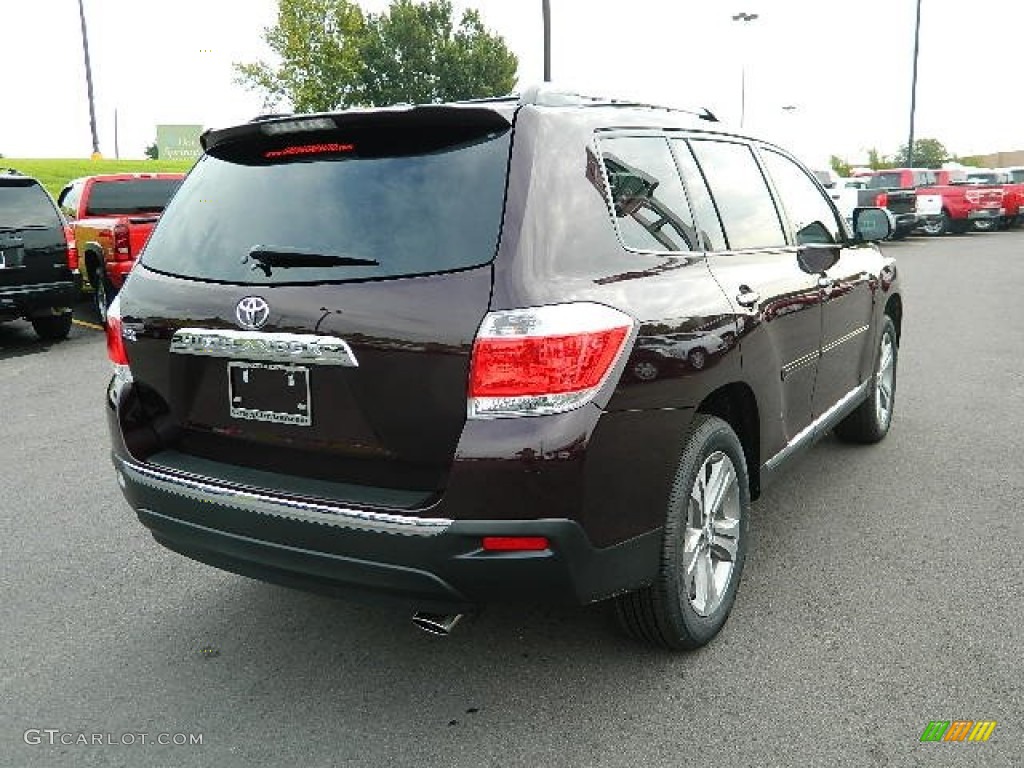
x=413, y=214
x=24, y=203
x=1017, y=176
x=650, y=205
x=808, y=210
x=741, y=194
x=108, y=198
x=708, y=226
x=885, y=181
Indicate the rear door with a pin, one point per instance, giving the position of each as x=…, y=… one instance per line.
x=33, y=247
x=308, y=302
x=776, y=303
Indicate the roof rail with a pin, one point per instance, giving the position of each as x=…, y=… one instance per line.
x=545, y=95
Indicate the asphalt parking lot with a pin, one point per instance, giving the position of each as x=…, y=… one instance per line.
x=883, y=590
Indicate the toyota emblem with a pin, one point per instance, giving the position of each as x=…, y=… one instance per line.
x=252, y=312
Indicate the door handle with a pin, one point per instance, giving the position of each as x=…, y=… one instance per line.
x=748, y=298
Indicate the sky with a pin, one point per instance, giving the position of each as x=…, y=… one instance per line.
x=822, y=77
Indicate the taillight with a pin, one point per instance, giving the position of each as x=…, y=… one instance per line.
x=122, y=245
x=115, y=340
x=69, y=236
x=882, y=200
x=515, y=543
x=543, y=360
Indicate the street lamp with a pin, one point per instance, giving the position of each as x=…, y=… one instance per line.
x=546, y=10
x=913, y=87
x=88, y=83
x=743, y=17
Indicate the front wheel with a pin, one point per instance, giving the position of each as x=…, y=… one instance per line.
x=703, y=548
x=870, y=422
x=937, y=226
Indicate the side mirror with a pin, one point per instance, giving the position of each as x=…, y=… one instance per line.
x=873, y=224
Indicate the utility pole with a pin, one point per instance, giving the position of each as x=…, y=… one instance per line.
x=546, y=10
x=913, y=87
x=88, y=84
x=743, y=17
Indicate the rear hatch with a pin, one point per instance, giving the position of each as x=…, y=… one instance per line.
x=33, y=246
x=307, y=304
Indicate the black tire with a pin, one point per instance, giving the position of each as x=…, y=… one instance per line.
x=937, y=227
x=870, y=422
x=901, y=234
x=644, y=370
x=104, y=294
x=985, y=225
x=664, y=613
x=959, y=227
x=698, y=358
x=54, y=327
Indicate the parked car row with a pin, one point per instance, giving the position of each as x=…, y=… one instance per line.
x=936, y=202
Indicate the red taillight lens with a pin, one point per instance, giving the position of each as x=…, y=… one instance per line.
x=531, y=362
x=515, y=543
x=115, y=341
x=882, y=201
x=69, y=236
x=122, y=246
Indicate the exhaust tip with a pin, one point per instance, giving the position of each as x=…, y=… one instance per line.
x=440, y=625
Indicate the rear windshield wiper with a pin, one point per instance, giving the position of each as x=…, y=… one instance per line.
x=268, y=256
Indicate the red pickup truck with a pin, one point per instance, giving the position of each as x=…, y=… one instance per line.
x=112, y=216
x=957, y=207
x=1013, y=192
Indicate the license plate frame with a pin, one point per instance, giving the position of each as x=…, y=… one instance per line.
x=275, y=393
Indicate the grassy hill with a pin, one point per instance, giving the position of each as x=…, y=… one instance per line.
x=54, y=174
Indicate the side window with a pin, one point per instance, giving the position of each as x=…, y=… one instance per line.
x=651, y=211
x=741, y=194
x=808, y=209
x=704, y=213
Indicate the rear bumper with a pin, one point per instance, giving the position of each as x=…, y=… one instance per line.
x=431, y=564
x=25, y=299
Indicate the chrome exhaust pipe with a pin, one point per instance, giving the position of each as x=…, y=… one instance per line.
x=437, y=624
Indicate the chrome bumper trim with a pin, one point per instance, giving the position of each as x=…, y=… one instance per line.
x=206, y=492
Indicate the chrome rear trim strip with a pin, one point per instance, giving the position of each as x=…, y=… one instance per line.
x=264, y=347
x=204, y=491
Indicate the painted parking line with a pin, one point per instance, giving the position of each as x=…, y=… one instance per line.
x=85, y=324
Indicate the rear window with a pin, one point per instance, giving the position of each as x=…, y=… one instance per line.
x=373, y=214
x=24, y=203
x=113, y=198
x=885, y=181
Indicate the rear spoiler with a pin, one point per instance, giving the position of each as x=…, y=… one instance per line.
x=468, y=120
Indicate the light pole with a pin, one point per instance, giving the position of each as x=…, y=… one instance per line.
x=743, y=17
x=546, y=10
x=88, y=83
x=913, y=87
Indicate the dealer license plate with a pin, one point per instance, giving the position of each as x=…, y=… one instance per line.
x=277, y=393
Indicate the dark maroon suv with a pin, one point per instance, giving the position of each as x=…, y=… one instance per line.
x=544, y=349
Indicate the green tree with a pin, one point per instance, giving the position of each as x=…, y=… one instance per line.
x=153, y=152
x=928, y=153
x=413, y=53
x=319, y=44
x=840, y=166
x=877, y=161
x=332, y=55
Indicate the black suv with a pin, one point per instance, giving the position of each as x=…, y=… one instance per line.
x=35, y=278
x=395, y=353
